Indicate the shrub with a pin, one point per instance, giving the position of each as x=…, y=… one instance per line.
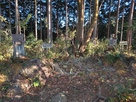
x=33, y=47
x=123, y=93
x=6, y=48
x=97, y=48
x=112, y=57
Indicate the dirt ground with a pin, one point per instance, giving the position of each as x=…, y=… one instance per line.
x=89, y=79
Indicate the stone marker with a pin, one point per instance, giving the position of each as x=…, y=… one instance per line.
x=18, y=45
x=112, y=40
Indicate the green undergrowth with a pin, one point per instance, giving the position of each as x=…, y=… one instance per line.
x=6, y=47
x=123, y=92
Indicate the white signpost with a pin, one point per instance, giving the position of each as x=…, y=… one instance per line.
x=122, y=44
x=47, y=46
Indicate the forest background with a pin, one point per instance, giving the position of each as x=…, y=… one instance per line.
x=69, y=40
x=86, y=18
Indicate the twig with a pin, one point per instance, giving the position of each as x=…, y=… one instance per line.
x=75, y=75
x=99, y=96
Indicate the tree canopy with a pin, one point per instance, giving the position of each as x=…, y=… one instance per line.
x=26, y=7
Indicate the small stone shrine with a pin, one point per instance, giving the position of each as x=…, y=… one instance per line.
x=18, y=45
x=112, y=43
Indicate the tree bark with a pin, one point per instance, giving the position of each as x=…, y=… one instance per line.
x=80, y=25
x=95, y=31
x=116, y=29
x=10, y=29
x=57, y=26
x=93, y=23
x=0, y=24
x=36, y=20
x=122, y=26
x=16, y=17
x=40, y=21
x=31, y=22
x=24, y=34
x=49, y=29
x=90, y=17
x=129, y=31
x=0, y=15
x=66, y=35
x=109, y=21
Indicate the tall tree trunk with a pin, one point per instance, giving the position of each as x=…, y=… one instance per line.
x=0, y=15
x=31, y=22
x=57, y=28
x=40, y=21
x=0, y=23
x=129, y=31
x=49, y=29
x=109, y=20
x=10, y=29
x=66, y=35
x=90, y=17
x=95, y=31
x=116, y=29
x=24, y=34
x=122, y=25
x=36, y=36
x=16, y=17
x=90, y=30
x=80, y=24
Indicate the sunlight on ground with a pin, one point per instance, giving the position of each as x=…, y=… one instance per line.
x=3, y=78
x=130, y=54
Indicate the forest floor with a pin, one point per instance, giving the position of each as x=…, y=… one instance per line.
x=90, y=79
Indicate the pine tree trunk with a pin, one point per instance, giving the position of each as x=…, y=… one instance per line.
x=0, y=15
x=117, y=21
x=16, y=17
x=10, y=28
x=90, y=31
x=66, y=35
x=36, y=36
x=0, y=23
x=49, y=28
x=129, y=31
x=24, y=34
x=122, y=26
x=109, y=21
x=95, y=31
x=90, y=17
x=57, y=28
x=40, y=21
x=31, y=22
x=80, y=25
